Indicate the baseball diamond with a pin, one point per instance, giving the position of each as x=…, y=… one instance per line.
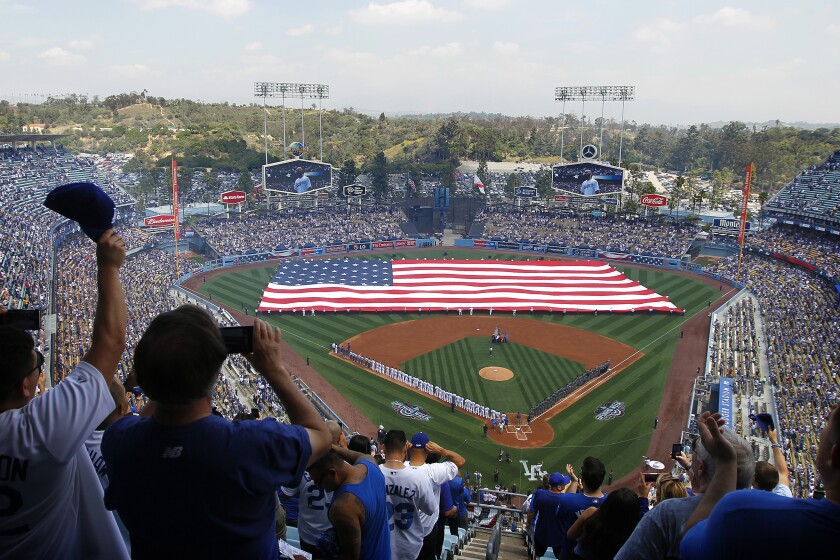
x=653, y=383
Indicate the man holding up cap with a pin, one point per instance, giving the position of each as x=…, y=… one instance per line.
x=439, y=473
x=547, y=530
x=51, y=499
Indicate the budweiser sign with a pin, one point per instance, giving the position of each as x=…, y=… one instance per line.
x=654, y=200
x=233, y=197
x=159, y=221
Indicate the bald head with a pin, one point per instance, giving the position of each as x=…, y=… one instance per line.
x=335, y=431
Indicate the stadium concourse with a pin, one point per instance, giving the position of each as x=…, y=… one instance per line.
x=778, y=341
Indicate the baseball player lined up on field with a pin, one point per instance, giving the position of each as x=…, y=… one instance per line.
x=416, y=383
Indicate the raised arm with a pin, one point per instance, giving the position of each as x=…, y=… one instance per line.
x=447, y=454
x=267, y=358
x=779, y=458
x=108, y=337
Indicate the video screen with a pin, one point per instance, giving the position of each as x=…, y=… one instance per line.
x=587, y=179
x=297, y=176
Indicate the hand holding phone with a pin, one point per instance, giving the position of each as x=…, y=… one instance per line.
x=25, y=319
x=676, y=449
x=238, y=340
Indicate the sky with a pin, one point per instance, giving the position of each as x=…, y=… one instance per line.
x=689, y=61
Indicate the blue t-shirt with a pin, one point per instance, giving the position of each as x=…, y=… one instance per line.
x=758, y=524
x=376, y=537
x=205, y=489
x=456, y=489
x=571, y=506
x=547, y=530
x=445, y=499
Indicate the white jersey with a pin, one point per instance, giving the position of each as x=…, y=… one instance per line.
x=313, y=505
x=54, y=506
x=438, y=473
x=408, y=492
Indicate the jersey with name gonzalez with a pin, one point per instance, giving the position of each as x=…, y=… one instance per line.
x=409, y=491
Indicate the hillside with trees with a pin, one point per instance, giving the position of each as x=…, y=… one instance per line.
x=229, y=137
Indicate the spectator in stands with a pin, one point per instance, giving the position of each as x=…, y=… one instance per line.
x=571, y=505
x=189, y=450
x=667, y=487
x=548, y=532
x=360, y=443
x=658, y=534
x=460, y=499
x=439, y=474
x=773, y=478
x=53, y=506
x=359, y=512
x=312, y=508
x=600, y=531
x=762, y=524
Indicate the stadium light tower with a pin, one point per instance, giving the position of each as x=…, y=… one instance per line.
x=594, y=93
x=302, y=91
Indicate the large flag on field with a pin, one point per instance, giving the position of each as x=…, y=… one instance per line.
x=409, y=285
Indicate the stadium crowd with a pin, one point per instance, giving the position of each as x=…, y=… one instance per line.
x=799, y=311
x=623, y=236
x=282, y=231
x=118, y=324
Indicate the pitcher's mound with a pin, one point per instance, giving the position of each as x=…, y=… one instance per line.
x=495, y=373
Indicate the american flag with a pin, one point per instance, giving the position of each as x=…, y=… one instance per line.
x=437, y=285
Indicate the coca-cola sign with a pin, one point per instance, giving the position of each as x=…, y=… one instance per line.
x=158, y=221
x=233, y=197
x=654, y=200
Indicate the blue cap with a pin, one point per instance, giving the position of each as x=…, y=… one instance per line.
x=86, y=204
x=419, y=440
x=558, y=479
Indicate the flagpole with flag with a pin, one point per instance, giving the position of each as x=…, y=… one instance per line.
x=175, y=224
x=744, y=201
x=477, y=182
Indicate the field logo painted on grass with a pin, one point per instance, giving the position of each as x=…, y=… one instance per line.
x=609, y=410
x=410, y=411
x=533, y=472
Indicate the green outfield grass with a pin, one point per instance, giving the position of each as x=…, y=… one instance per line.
x=620, y=443
x=455, y=366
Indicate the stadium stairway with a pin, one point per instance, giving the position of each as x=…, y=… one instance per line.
x=512, y=547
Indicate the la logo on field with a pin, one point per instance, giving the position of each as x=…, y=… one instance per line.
x=534, y=472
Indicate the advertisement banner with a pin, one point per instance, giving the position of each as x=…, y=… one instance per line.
x=233, y=197
x=730, y=223
x=552, y=249
x=492, y=245
x=653, y=200
x=725, y=401
x=480, y=243
x=744, y=201
x=406, y=242
x=561, y=198
x=175, y=224
x=158, y=221
x=358, y=247
x=507, y=245
x=383, y=244
x=534, y=248
x=672, y=263
x=336, y=249
x=578, y=252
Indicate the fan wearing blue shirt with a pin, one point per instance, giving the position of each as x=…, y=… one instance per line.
x=548, y=531
x=209, y=486
x=571, y=506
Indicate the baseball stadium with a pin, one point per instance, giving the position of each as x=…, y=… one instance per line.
x=421, y=337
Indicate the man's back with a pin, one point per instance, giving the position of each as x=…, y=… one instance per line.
x=203, y=489
x=571, y=506
x=658, y=534
x=758, y=524
x=548, y=530
x=313, y=505
x=409, y=492
x=375, y=537
x=50, y=487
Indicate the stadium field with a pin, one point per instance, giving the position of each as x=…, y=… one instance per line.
x=619, y=442
x=536, y=374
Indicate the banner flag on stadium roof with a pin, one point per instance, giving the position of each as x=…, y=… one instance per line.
x=478, y=183
x=409, y=285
